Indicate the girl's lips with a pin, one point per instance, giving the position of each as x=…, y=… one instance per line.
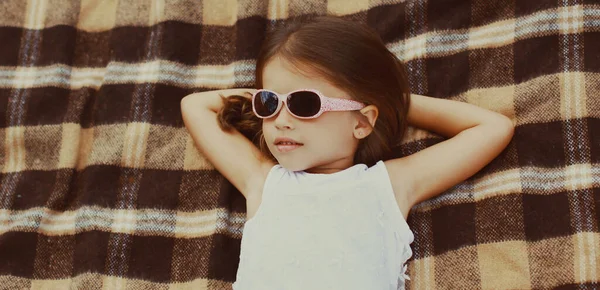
x=287, y=148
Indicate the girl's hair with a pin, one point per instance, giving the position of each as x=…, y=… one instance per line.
x=350, y=56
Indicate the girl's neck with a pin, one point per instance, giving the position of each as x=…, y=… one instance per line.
x=331, y=167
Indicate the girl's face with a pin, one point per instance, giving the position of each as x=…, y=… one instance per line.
x=329, y=141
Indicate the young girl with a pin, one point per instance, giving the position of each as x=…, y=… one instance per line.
x=326, y=203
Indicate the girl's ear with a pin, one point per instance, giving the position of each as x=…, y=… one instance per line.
x=364, y=125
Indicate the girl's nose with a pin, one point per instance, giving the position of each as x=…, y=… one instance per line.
x=283, y=119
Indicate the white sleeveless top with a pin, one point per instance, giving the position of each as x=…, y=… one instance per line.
x=325, y=231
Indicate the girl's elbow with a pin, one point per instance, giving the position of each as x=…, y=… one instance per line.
x=504, y=123
x=507, y=129
x=501, y=129
x=510, y=125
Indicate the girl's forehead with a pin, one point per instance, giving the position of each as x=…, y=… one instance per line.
x=282, y=77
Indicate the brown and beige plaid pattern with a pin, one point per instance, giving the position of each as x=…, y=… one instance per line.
x=102, y=187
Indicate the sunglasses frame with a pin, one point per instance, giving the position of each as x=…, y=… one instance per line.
x=327, y=104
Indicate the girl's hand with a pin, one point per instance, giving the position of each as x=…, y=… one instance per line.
x=249, y=92
x=212, y=99
x=246, y=92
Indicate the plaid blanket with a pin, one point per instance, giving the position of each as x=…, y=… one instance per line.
x=102, y=186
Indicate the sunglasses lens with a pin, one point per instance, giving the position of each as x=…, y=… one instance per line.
x=304, y=104
x=265, y=103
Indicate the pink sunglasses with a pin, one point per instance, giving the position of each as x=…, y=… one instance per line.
x=302, y=104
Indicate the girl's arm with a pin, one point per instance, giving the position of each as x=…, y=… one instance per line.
x=476, y=135
x=232, y=154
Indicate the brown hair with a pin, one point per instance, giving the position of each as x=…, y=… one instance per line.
x=350, y=56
